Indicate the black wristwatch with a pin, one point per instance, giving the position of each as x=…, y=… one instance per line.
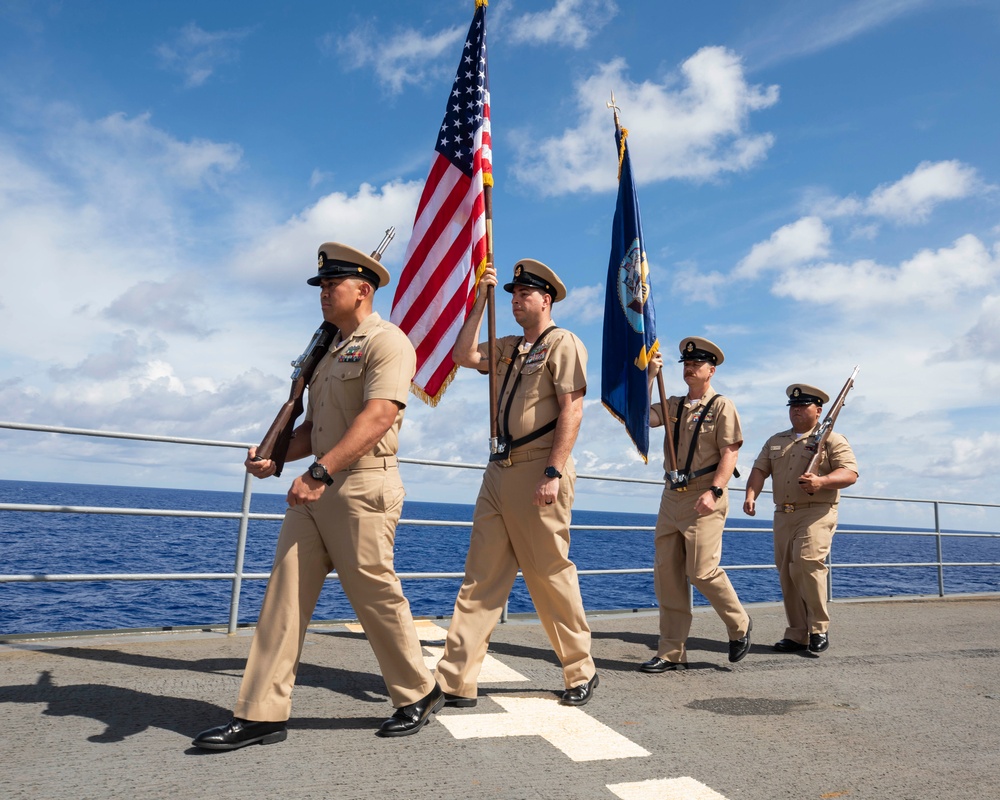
x=552, y=472
x=716, y=491
x=318, y=472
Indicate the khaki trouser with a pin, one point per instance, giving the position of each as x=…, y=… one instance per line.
x=510, y=532
x=351, y=528
x=802, y=540
x=689, y=548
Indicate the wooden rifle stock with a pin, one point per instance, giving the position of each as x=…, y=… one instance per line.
x=817, y=441
x=274, y=445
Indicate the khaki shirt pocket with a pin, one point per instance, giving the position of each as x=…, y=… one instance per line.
x=348, y=385
x=531, y=378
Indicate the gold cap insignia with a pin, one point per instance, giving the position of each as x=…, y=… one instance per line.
x=796, y=392
x=518, y=270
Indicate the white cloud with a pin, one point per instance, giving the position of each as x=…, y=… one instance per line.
x=909, y=200
x=933, y=278
x=793, y=29
x=968, y=459
x=912, y=198
x=111, y=223
x=405, y=58
x=696, y=286
x=172, y=306
x=197, y=54
x=693, y=125
x=285, y=252
x=982, y=340
x=799, y=242
x=584, y=304
x=569, y=22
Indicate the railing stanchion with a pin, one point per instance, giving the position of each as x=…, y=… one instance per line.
x=241, y=546
x=940, y=550
x=829, y=576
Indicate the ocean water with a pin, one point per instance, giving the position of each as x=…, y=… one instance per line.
x=47, y=543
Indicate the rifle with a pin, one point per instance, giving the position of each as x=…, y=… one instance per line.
x=274, y=445
x=817, y=441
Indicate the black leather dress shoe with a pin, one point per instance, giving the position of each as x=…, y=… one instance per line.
x=410, y=719
x=818, y=642
x=788, y=646
x=580, y=695
x=239, y=733
x=657, y=664
x=738, y=648
x=457, y=701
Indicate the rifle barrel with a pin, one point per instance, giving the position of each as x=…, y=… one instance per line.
x=390, y=232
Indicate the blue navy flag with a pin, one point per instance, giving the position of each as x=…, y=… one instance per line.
x=629, y=321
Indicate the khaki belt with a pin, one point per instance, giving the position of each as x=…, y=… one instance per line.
x=527, y=455
x=373, y=462
x=788, y=508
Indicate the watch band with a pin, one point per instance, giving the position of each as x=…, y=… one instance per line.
x=319, y=473
x=716, y=491
x=552, y=472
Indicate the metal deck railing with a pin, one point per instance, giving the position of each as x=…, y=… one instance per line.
x=245, y=516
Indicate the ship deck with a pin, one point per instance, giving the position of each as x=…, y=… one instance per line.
x=905, y=704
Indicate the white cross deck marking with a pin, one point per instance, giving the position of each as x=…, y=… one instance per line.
x=492, y=671
x=426, y=630
x=575, y=733
x=665, y=789
x=578, y=735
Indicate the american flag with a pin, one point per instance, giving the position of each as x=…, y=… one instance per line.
x=448, y=246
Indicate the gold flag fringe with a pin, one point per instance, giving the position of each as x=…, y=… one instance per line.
x=621, y=152
x=433, y=400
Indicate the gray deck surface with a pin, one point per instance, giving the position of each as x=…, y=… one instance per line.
x=905, y=704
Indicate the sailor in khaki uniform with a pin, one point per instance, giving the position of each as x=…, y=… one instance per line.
x=522, y=514
x=805, y=514
x=707, y=438
x=342, y=515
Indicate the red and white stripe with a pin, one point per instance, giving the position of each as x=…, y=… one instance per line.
x=446, y=253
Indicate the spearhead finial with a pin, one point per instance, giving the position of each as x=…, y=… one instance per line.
x=615, y=108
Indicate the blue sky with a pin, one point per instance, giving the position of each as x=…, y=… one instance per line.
x=818, y=183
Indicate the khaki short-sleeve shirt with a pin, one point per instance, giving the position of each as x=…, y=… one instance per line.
x=784, y=457
x=376, y=362
x=720, y=428
x=556, y=366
